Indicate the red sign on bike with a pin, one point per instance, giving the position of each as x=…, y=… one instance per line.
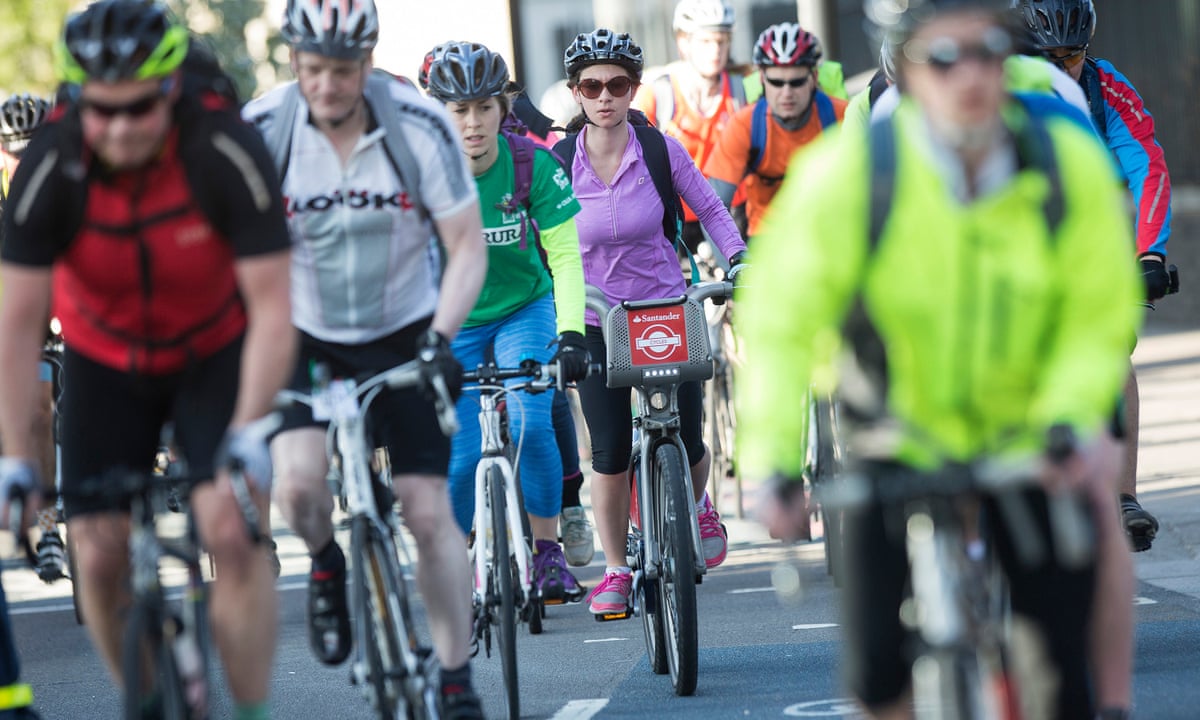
x=657, y=336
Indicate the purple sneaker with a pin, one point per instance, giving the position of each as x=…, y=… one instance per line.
x=551, y=576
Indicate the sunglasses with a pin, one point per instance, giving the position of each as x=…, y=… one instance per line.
x=793, y=83
x=1070, y=60
x=617, y=87
x=944, y=53
x=136, y=109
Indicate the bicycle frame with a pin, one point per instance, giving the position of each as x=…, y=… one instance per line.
x=493, y=455
x=344, y=404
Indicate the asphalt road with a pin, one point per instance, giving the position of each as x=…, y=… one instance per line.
x=762, y=655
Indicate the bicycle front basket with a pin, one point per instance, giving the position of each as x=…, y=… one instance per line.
x=658, y=343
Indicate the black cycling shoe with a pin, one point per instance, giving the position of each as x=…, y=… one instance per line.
x=1140, y=525
x=460, y=703
x=51, y=557
x=328, y=616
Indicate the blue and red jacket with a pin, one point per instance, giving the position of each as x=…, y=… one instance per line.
x=1128, y=129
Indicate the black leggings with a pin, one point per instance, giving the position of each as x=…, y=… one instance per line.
x=610, y=421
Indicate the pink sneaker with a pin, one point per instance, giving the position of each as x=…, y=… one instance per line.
x=611, y=595
x=713, y=537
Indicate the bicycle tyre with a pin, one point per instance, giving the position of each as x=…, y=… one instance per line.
x=677, y=577
x=378, y=634
x=73, y=572
x=721, y=425
x=505, y=589
x=148, y=665
x=535, y=610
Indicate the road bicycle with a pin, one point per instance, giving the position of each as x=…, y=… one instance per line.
x=393, y=665
x=504, y=592
x=167, y=647
x=653, y=346
x=972, y=659
x=720, y=415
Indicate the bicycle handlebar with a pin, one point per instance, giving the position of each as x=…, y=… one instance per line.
x=542, y=376
x=413, y=373
x=716, y=290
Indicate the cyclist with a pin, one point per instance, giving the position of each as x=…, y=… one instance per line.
x=170, y=252
x=759, y=140
x=516, y=311
x=1062, y=31
x=16, y=697
x=696, y=95
x=627, y=256
x=367, y=296
x=20, y=116
x=575, y=531
x=971, y=329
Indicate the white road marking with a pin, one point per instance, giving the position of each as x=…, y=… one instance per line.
x=171, y=595
x=814, y=626
x=743, y=591
x=580, y=709
x=600, y=640
x=1139, y=600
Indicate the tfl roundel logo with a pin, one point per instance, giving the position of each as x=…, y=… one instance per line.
x=657, y=336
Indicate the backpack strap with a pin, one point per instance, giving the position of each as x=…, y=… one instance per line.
x=876, y=87
x=1090, y=80
x=522, y=149
x=278, y=134
x=737, y=89
x=664, y=100
x=1034, y=147
x=825, y=112
x=658, y=161
x=378, y=96
x=564, y=150
x=882, y=156
x=758, y=135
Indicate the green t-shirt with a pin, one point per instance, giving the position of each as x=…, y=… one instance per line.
x=516, y=275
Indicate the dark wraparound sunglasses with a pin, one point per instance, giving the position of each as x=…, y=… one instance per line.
x=617, y=87
x=134, y=109
x=943, y=53
x=793, y=83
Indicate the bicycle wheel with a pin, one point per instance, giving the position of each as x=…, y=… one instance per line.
x=380, y=633
x=152, y=684
x=677, y=577
x=826, y=473
x=73, y=572
x=505, y=590
x=721, y=423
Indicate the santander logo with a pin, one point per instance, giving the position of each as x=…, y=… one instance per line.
x=657, y=336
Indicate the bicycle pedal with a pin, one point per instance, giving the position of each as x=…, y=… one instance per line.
x=606, y=617
x=554, y=601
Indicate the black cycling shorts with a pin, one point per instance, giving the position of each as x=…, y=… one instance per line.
x=112, y=420
x=610, y=420
x=877, y=665
x=403, y=420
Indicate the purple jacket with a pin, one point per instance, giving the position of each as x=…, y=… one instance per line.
x=625, y=253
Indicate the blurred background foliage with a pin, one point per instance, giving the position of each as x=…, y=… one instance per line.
x=235, y=30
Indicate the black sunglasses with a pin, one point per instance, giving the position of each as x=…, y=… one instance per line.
x=943, y=53
x=793, y=83
x=617, y=87
x=135, y=109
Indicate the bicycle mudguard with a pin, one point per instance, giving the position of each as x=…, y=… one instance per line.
x=659, y=344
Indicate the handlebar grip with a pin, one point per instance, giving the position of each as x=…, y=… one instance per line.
x=1060, y=443
x=447, y=417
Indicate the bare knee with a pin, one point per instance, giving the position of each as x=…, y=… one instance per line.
x=101, y=545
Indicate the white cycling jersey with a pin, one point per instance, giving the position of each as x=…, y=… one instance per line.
x=365, y=260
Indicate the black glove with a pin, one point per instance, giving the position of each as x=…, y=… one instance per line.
x=1154, y=273
x=433, y=349
x=737, y=264
x=572, y=357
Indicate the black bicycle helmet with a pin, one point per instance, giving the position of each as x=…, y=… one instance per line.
x=115, y=40
x=343, y=29
x=1058, y=23
x=603, y=47
x=20, y=115
x=466, y=71
x=785, y=45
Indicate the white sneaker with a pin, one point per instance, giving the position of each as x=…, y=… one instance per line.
x=578, y=545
